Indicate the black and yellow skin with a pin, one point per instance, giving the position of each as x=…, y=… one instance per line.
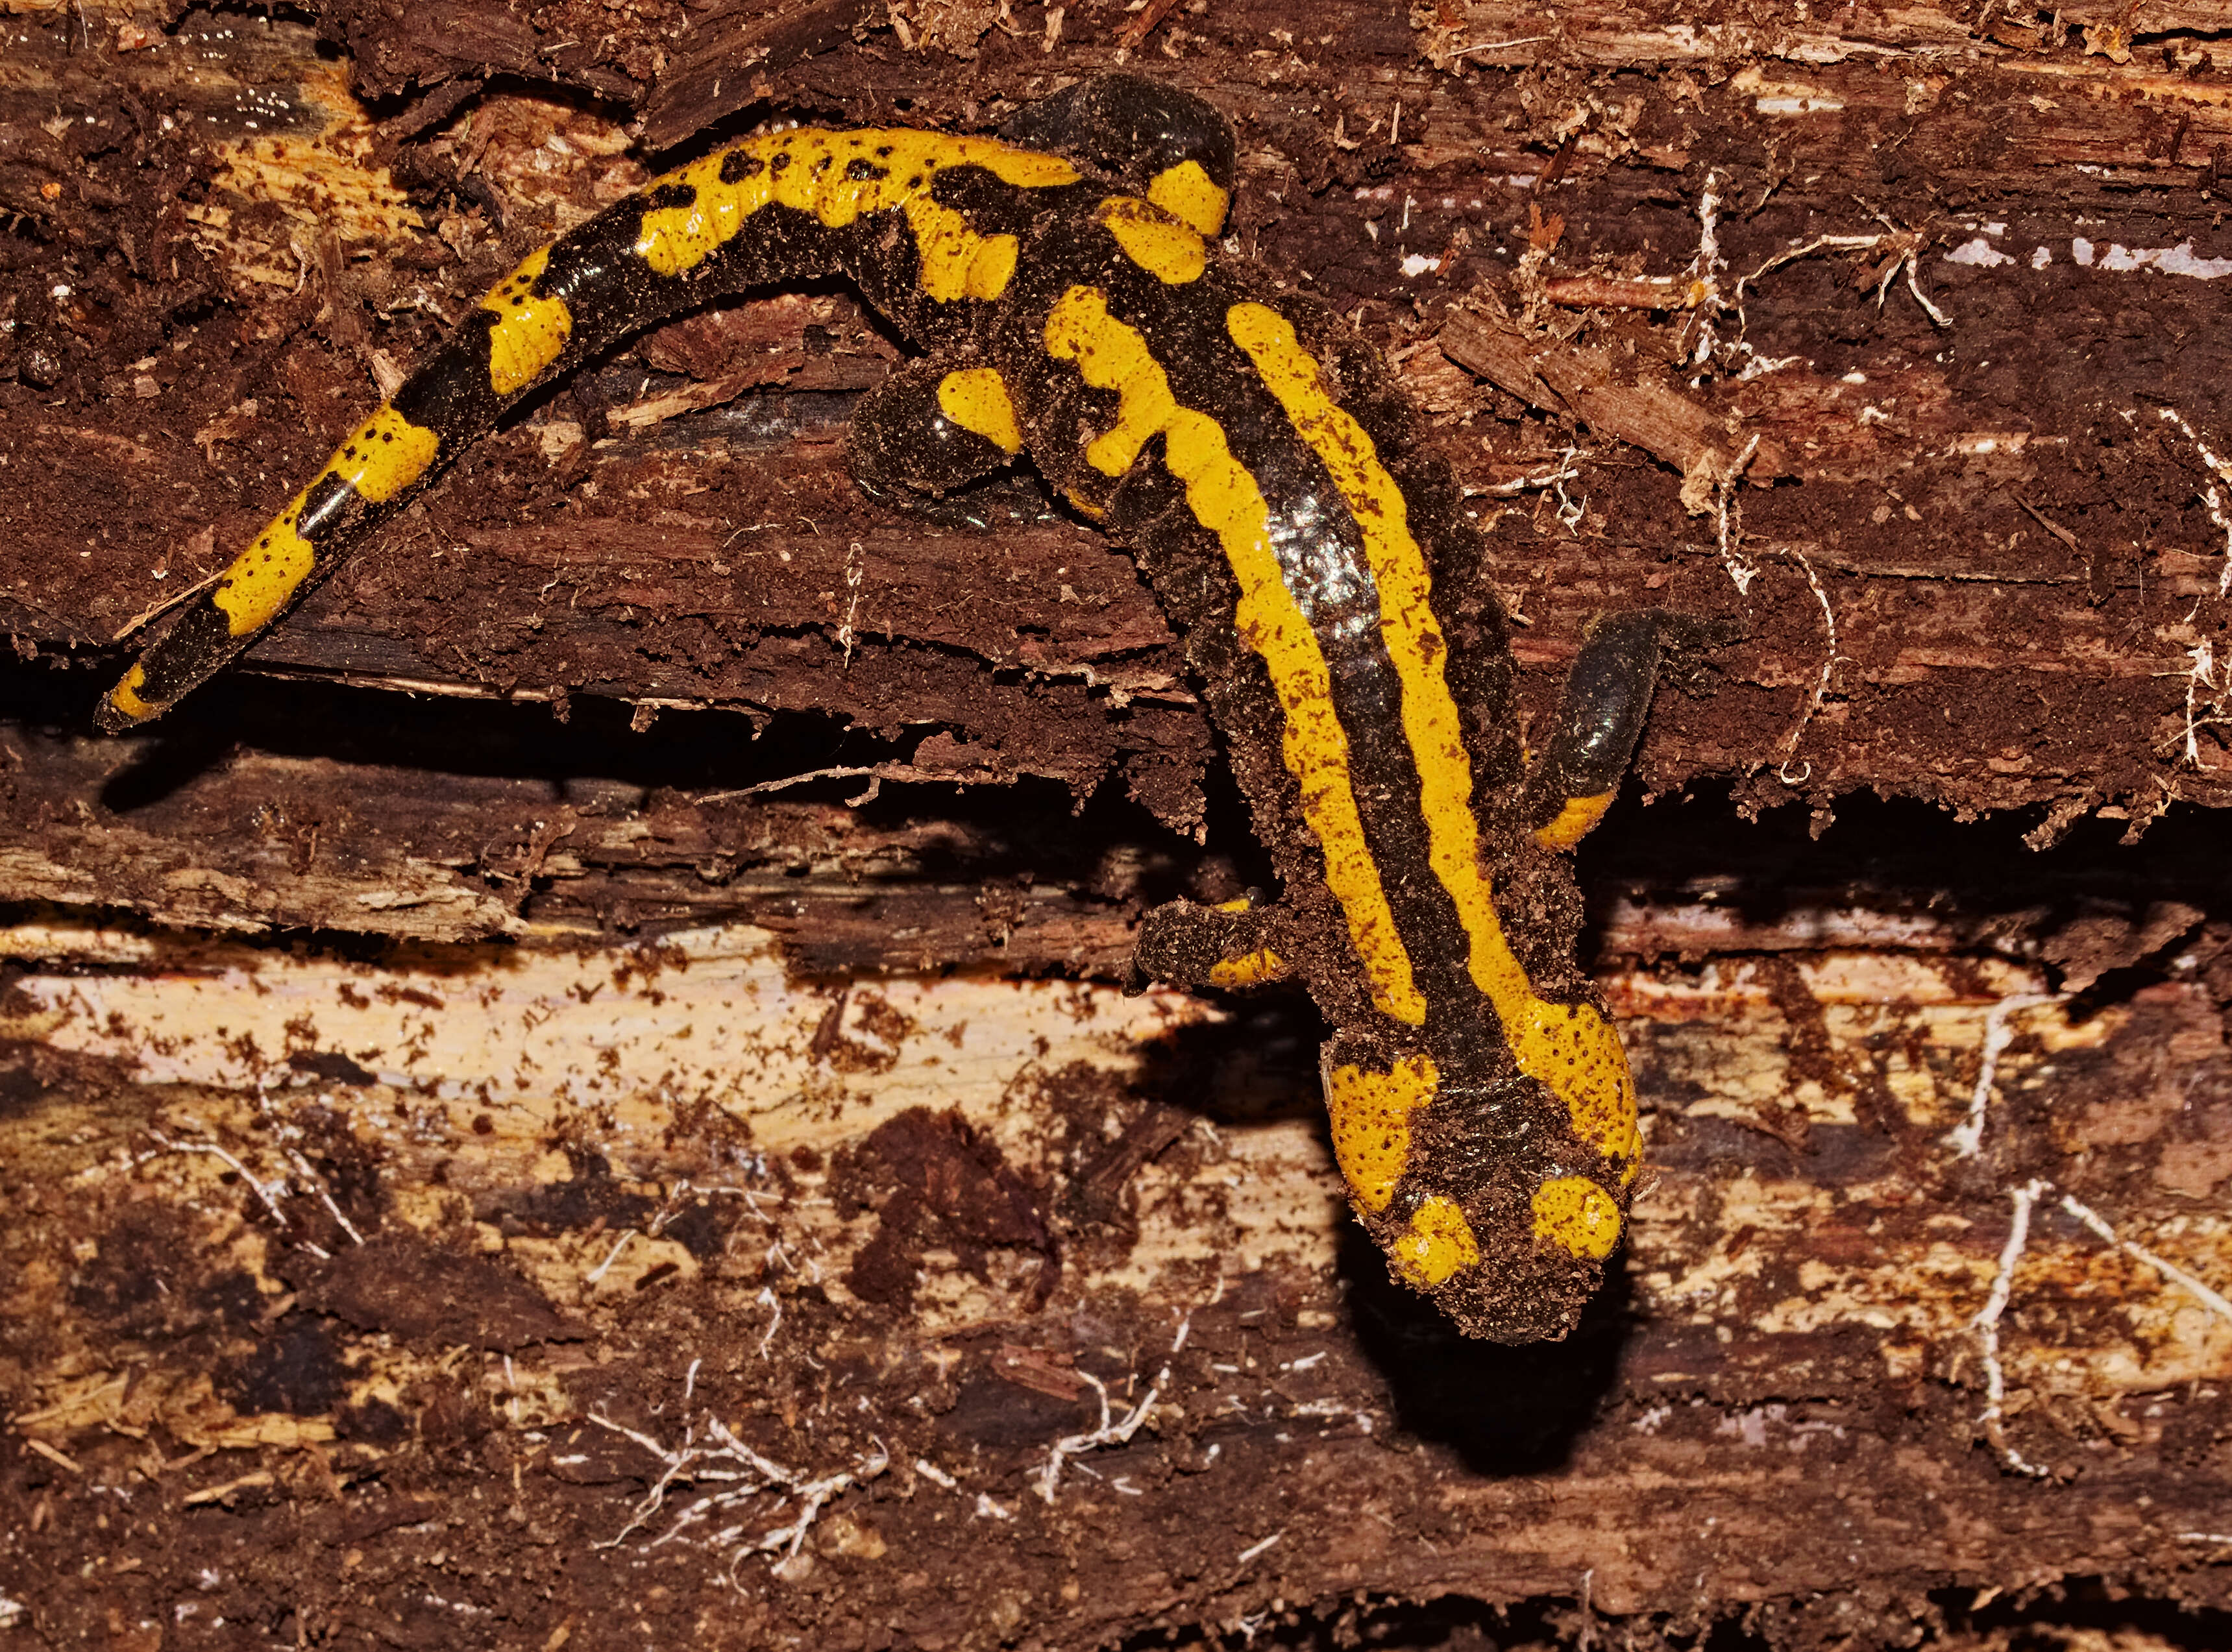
x=1308, y=546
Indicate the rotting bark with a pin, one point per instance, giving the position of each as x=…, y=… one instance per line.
x=713, y=1098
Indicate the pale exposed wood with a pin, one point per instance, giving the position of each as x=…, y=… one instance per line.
x=1779, y=1203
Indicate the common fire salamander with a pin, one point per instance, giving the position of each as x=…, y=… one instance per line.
x=1309, y=547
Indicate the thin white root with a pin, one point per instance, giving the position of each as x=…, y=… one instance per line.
x=1967, y=1138
x=741, y=1474
x=1906, y=249
x=1108, y=1434
x=2209, y=496
x=267, y=1193
x=1987, y=1327
x=1986, y=1322
x=1729, y=520
x=2211, y=1299
x=1820, y=683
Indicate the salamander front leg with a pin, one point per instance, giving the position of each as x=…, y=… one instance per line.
x=1576, y=772
x=931, y=428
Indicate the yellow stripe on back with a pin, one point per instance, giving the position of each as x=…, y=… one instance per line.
x=1225, y=499
x=1570, y=1047
x=899, y=165
x=1407, y=624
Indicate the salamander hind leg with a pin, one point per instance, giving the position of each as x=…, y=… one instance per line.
x=930, y=429
x=1477, y=1191
x=1171, y=146
x=1235, y=944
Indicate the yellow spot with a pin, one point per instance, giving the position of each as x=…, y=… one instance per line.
x=992, y=267
x=1570, y=1047
x=124, y=696
x=529, y=332
x=1576, y=1052
x=1439, y=1242
x=1371, y=1115
x=1225, y=499
x=1237, y=903
x=976, y=398
x=386, y=455
x=264, y=578
x=1152, y=239
x=1575, y=1214
x=956, y=263
x=1186, y=192
x=1574, y=821
x=1251, y=970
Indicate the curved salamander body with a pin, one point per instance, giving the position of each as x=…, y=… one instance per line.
x=1312, y=553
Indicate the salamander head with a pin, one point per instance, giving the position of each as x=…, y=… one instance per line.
x=1175, y=148
x=1478, y=1191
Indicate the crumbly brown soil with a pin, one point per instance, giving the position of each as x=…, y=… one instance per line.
x=1978, y=573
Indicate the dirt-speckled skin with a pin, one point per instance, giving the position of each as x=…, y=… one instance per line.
x=1314, y=554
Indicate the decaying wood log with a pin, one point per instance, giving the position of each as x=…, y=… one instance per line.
x=586, y=1095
